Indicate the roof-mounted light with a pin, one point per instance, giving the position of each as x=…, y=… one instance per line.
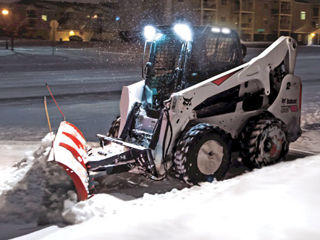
x=149, y=33
x=225, y=30
x=215, y=30
x=183, y=31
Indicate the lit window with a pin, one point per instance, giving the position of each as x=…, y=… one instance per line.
x=44, y=18
x=303, y=15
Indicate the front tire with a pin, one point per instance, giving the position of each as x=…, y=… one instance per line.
x=202, y=154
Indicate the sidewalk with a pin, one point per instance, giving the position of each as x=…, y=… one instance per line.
x=6, y=52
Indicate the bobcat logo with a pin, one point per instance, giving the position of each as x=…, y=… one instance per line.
x=187, y=101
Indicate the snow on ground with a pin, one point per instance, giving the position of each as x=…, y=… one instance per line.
x=11, y=151
x=310, y=121
x=12, y=172
x=31, y=191
x=277, y=202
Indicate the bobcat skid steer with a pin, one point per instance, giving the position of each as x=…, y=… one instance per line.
x=196, y=105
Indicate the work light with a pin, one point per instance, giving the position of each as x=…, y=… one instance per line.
x=149, y=33
x=226, y=30
x=183, y=31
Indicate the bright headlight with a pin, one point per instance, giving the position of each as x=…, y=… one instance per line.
x=215, y=30
x=183, y=31
x=226, y=30
x=149, y=33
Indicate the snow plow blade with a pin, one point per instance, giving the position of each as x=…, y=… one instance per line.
x=70, y=151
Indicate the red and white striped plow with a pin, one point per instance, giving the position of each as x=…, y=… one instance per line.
x=70, y=151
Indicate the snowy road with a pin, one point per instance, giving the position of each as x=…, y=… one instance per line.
x=21, y=85
x=71, y=71
x=24, y=119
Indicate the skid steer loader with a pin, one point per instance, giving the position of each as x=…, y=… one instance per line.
x=196, y=104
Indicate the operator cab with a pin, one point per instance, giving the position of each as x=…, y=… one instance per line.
x=181, y=56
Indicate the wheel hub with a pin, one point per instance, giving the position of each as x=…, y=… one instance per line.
x=271, y=145
x=209, y=157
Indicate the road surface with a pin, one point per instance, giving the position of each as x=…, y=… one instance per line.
x=83, y=84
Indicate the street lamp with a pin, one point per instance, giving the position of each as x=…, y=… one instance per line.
x=5, y=12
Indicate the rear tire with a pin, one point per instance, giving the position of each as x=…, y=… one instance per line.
x=114, y=129
x=264, y=142
x=202, y=154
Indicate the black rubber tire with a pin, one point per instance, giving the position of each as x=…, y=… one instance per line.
x=251, y=139
x=114, y=129
x=187, y=149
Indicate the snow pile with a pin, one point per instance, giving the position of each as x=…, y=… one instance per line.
x=34, y=189
x=100, y=205
x=310, y=124
x=311, y=120
x=276, y=202
x=9, y=177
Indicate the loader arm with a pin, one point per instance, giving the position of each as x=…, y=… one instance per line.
x=284, y=49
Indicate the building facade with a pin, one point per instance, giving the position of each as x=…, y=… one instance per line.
x=259, y=20
x=33, y=19
x=255, y=20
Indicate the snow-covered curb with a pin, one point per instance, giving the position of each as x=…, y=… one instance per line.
x=33, y=190
x=10, y=176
